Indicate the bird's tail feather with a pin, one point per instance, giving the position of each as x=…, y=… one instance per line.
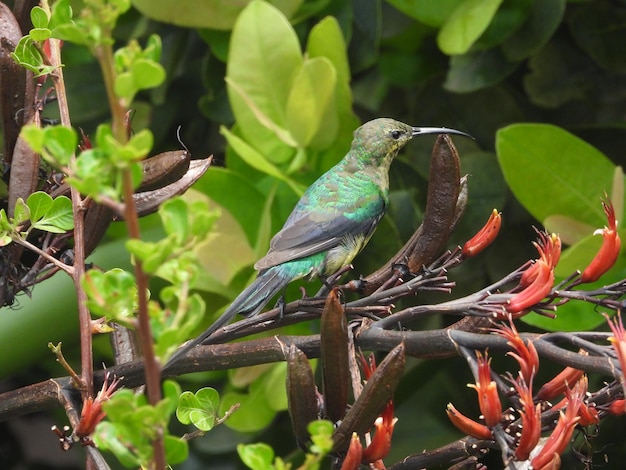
x=249, y=303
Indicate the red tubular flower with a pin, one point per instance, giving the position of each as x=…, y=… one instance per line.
x=538, y=283
x=562, y=433
x=617, y=407
x=352, y=460
x=92, y=412
x=618, y=341
x=381, y=443
x=559, y=383
x=467, y=425
x=531, y=420
x=609, y=251
x=485, y=235
x=488, y=399
x=525, y=353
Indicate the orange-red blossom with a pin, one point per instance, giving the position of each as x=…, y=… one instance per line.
x=609, y=251
x=485, y=235
x=92, y=412
x=538, y=279
x=488, y=399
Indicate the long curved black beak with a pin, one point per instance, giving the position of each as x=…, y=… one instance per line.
x=437, y=130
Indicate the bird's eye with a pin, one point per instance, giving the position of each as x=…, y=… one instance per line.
x=396, y=134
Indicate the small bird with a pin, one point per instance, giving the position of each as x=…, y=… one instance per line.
x=331, y=223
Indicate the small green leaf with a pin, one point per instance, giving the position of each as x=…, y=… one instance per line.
x=147, y=74
x=59, y=144
x=40, y=34
x=21, y=212
x=39, y=17
x=176, y=449
x=39, y=204
x=256, y=456
x=60, y=218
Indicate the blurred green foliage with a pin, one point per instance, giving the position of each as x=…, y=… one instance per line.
x=274, y=90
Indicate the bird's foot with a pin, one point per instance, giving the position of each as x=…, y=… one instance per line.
x=331, y=280
x=280, y=304
x=355, y=285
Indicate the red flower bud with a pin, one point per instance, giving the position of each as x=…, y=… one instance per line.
x=352, y=460
x=485, y=235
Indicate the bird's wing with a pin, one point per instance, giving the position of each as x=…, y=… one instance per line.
x=310, y=231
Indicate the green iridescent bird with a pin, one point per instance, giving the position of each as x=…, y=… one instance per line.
x=331, y=223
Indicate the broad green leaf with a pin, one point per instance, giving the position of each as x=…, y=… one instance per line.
x=570, y=230
x=507, y=20
x=477, y=70
x=465, y=25
x=257, y=161
x=264, y=56
x=552, y=172
x=427, y=11
x=279, y=131
x=311, y=95
x=212, y=14
x=545, y=17
x=274, y=384
x=254, y=412
x=326, y=40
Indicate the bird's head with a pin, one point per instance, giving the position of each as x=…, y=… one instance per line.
x=380, y=140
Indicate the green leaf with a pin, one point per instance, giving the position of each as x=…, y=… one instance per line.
x=311, y=95
x=61, y=14
x=21, y=212
x=200, y=409
x=39, y=17
x=176, y=449
x=254, y=412
x=264, y=56
x=552, y=172
x=477, y=70
x=465, y=25
x=256, y=456
x=426, y=11
x=212, y=14
x=40, y=34
x=60, y=217
x=258, y=161
x=545, y=17
x=27, y=55
x=39, y=204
